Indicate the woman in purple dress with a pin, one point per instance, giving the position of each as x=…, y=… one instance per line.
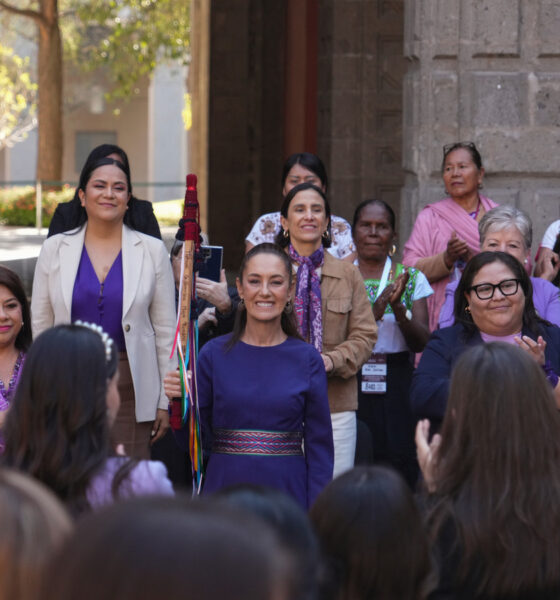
x=263, y=391
x=106, y=272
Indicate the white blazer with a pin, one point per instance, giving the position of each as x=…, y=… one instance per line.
x=148, y=318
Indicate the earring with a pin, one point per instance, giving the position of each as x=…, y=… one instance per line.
x=242, y=303
x=467, y=309
x=326, y=234
x=289, y=307
x=392, y=250
x=285, y=233
x=480, y=186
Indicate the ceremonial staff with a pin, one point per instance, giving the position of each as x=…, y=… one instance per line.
x=184, y=410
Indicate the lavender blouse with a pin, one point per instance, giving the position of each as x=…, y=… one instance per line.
x=100, y=303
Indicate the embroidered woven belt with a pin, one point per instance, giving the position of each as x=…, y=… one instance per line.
x=249, y=441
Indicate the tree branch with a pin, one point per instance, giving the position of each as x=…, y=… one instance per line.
x=22, y=12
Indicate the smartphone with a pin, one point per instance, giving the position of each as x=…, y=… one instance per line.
x=210, y=266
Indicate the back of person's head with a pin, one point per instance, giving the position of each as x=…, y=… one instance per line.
x=372, y=537
x=290, y=524
x=497, y=474
x=168, y=548
x=33, y=523
x=57, y=428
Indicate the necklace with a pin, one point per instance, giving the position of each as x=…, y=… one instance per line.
x=7, y=394
x=474, y=214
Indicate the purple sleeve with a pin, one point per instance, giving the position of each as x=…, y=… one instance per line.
x=205, y=393
x=446, y=316
x=318, y=437
x=546, y=300
x=149, y=478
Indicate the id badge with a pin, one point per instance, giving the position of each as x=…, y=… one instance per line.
x=374, y=374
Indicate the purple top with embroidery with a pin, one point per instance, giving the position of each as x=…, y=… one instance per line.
x=100, y=303
x=7, y=395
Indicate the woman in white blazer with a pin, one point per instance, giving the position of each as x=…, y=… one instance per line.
x=107, y=273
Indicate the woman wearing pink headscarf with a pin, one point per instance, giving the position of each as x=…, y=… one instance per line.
x=445, y=234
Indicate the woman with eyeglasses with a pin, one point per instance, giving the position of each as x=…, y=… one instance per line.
x=508, y=229
x=493, y=302
x=445, y=234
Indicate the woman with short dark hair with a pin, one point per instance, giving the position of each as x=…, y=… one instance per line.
x=493, y=302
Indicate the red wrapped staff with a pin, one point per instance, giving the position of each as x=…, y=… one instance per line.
x=184, y=411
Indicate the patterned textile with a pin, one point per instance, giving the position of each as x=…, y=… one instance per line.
x=308, y=296
x=372, y=285
x=246, y=441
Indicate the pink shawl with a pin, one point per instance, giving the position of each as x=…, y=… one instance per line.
x=432, y=230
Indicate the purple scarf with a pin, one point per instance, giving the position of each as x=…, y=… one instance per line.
x=308, y=296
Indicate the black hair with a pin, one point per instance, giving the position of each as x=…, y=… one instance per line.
x=284, y=241
x=358, y=212
x=57, y=428
x=168, y=548
x=372, y=537
x=308, y=161
x=291, y=525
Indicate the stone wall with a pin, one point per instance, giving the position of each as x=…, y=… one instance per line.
x=486, y=71
x=360, y=74
x=245, y=118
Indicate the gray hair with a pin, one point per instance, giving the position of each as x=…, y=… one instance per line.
x=503, y=217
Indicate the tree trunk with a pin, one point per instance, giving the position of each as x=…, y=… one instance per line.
x=50, y=146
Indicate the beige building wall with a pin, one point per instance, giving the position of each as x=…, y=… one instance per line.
x=131, y=127
x=486, y=71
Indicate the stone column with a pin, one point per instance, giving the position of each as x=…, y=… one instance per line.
x=360, y=74
x=486, y=71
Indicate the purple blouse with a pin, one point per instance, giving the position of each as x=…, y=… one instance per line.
x=100, y=303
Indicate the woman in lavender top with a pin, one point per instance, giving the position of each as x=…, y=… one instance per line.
x=508, y=229
x=58, y=428
x=15, y=338
x=105, y=272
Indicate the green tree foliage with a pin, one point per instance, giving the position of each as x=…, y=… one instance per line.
x=18, y=95
x=124, y=38
x=127, y=38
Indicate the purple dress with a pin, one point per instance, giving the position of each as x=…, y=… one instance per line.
x=250, y=398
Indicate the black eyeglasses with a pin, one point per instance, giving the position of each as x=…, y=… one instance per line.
x=449, y=147
x=485, y=291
